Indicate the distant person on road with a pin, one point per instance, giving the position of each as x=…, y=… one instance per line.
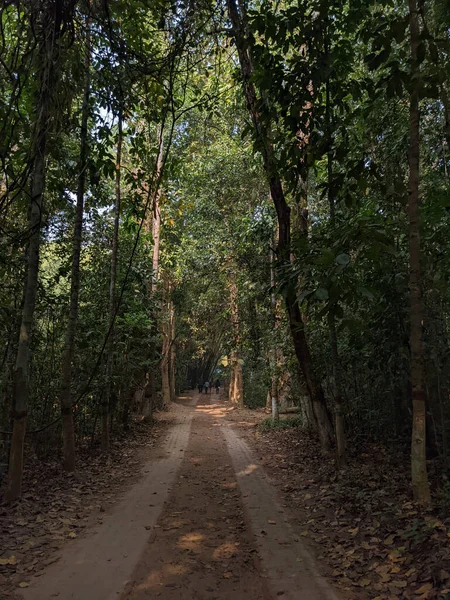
x=200, y=386
x=217, y=384
x=206, y=386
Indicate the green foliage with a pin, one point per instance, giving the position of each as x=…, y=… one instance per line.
x=333, y=80
x=268, y=424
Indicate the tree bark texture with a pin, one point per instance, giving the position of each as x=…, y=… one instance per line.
x=165, y=373
x=166, y=344
x=419, y=473
x=172, y=353
x=112, y=290
x=156, y=210
x=283, y=211
x=237, y=391
x=337, y=379
x=48, y=29
x=338, y=414
x=274, y=400
x=66, y=378
x=150, y=388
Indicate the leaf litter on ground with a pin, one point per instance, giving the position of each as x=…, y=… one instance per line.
x=372, y=541
x=57, y=507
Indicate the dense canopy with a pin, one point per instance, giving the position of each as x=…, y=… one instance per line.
x=255, y=192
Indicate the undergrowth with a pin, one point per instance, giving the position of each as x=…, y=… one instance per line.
x=268, y=424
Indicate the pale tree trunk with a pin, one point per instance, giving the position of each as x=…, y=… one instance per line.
x=46, y=65
x=152, y=226
x=231, y=387
x=66, y=376
x=150, y=385
x=315, y=390
x=419, y=473
x=238, y=384
x=275, y=405
x=165, y=373
x=237, y=390
x=156, y=221
x=166, y=331
x=112, y=290
x=172, y=353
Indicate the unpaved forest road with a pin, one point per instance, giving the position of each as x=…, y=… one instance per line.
x=204, y=523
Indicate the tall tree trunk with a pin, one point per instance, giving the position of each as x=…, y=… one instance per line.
x=339, y=417
x=231, y=387
x=419, y=473
x=166, y=346
x=172, y=353
x=165, y=372
x=46, y=56
x=112, y=289
x=66, y=376
x=337, y=379
x=273, y=353
x=156, y=221
x=295, y=316
x=150, y=388
x=237, y=391
x=148, y=394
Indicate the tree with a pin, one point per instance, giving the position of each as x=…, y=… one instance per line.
x=66, y=375
x=418, y=445
x=284, y=224
x=48, y=20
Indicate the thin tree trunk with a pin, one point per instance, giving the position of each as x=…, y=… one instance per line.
x=156, y=236
x=275, y=406
x=66, y=378
x=112, y=290
x=172, y=354
x=339, y=417
x=238, y=384
x=237, y=392
x=166, y=331
x=295, y=317
x=231, y=387
x=337, y=379
x=46, y=58
x=419, y=473
x=165, y=374
x=149, y=395
x=156, y=222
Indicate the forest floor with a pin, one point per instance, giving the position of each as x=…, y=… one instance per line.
x=371, y=540
x=202, y=522
x=206, y=505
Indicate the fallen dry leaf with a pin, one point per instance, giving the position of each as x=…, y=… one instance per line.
x=427, y=587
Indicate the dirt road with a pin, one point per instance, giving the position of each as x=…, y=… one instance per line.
x=204, y=523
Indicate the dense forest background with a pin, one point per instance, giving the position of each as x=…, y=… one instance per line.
x=252, y=191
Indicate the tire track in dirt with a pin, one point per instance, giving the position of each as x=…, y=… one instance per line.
x=98, y=566
x=201, y=548
x=289, y=567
